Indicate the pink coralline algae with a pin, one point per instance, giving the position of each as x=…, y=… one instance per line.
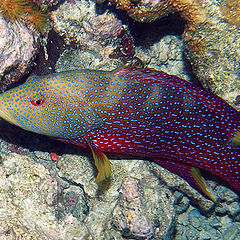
x=129, y=216
x=18, y=47
x=104, y=26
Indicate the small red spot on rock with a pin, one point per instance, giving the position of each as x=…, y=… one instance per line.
x=54, y=157
x=71, y=201
x=17, y=149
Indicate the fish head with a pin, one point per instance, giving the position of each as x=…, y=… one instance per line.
x=50, y=106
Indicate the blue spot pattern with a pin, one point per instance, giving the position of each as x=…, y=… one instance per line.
x=139, y=112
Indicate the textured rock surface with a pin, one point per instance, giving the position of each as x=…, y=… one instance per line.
x=78, y=59
x=35, y=205
x=213, y=49
x=98, y=37
x=95, y=35
x=138, y=214
x=176, y=183
x=44, y=4
x=39, y=201
x=18, y=46
x=79, y=22
x=150, y=10
x=193, y=225
x=165, y=55
x=113, y=208
x=27, y=206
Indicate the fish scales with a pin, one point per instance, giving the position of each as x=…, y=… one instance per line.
x=131, y=111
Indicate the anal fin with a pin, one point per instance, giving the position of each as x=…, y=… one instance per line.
x=201, y=183
x=191, y=174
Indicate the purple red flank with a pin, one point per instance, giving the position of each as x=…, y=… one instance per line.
x=139, y=112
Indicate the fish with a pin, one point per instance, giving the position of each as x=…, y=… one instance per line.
x=133, y=111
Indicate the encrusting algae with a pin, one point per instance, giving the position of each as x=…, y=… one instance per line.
x=148, y=11
x=231, y=11
x=24, y=10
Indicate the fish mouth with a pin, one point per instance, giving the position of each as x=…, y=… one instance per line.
x=5, y=114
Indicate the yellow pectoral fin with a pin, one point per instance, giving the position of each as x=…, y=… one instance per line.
x=102, y=164
x=201, y=183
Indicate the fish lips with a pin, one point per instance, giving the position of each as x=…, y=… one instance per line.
x=6, y=115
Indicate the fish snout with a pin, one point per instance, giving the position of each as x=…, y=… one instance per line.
x=6, y=112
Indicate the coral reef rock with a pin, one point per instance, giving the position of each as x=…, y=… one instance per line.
x=142, y=210
x=231, y=10
x=80, y=23
x=94, y=34
x=96, y=37
x=133, y=204
x=41, y=199
x=193, y=225
x=28, y=208
x=44, y=4
x=165, y=55
x=18, y=47
x=150, y=10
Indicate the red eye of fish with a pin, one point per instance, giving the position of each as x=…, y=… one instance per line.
x=38, y=102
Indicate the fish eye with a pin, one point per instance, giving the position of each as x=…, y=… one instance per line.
x=38, y=102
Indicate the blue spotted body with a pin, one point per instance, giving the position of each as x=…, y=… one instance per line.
x=139, y=112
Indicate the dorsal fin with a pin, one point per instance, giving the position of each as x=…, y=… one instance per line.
x=146, y=75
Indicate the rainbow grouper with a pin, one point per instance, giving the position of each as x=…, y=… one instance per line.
x=133, y=111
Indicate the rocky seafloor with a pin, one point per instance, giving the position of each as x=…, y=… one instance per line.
x=46, y=199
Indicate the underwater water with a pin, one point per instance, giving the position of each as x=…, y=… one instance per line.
x=145, y=131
